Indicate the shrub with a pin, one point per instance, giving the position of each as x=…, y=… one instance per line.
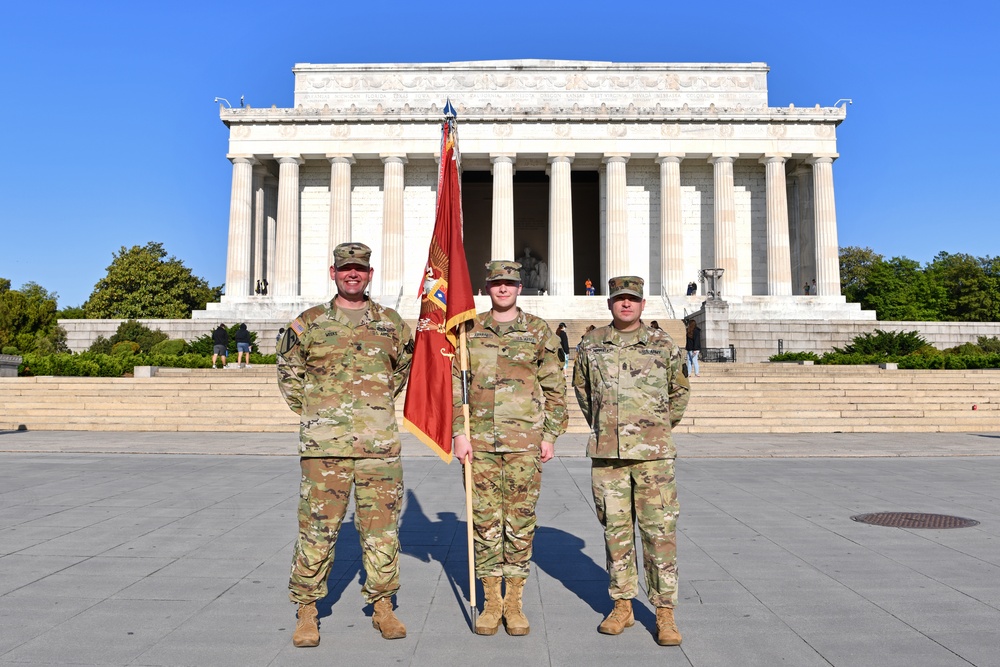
x=175, y=361
x=87, y=364
x=9, y=349
x=101, y=345
x=794, y=356
x=263, y=359
x=989, y=345
x=90, y=364
x=853, y=359
x=136, y=332
x=884, y=343
x=951, y=361
x=171, y=347
x=52, y=342
x=964, y=348
x=124, y=348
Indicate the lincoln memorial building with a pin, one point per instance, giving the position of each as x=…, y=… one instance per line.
x=582, y=169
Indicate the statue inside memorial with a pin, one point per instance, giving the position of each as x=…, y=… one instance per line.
x=527, y=263
x=534, y=272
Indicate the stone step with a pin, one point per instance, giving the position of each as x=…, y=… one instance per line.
x=727, y=398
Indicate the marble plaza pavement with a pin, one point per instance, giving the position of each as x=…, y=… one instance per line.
x=177, y=553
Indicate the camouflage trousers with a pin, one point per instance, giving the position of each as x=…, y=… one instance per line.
x=323, y=498
x=626, y=492
x=505, y=492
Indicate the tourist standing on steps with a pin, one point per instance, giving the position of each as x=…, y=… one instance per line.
x=563, y=344
x=242, y=345
x=517, y=406
x=629, y=381
x=340, y=367
x=220, y=345
x=692, y=344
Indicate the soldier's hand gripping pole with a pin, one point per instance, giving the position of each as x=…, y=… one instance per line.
x=464, y=360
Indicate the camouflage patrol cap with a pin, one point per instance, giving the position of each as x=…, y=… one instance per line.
x=625, y=285
x=503, y=269
x=352, y=253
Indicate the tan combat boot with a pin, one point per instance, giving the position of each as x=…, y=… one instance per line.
x=489, y=621
x=621, y=617
x=667, y=633
x=516, y=621
x=386, y=622
x=306, y=628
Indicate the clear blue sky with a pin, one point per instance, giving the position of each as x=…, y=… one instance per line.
x=110, y=136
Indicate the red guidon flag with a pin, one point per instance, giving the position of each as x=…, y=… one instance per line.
x=445, y=303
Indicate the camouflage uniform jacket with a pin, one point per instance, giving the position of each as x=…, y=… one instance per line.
x=517, y=390
x=343, y=380
x=631, y=394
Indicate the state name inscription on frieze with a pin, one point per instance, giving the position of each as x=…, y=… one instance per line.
x=528, y=89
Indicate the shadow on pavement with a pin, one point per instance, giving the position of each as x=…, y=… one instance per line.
x=428, y=541
x=346, y=567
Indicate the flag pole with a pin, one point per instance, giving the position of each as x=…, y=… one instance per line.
x=464, y=360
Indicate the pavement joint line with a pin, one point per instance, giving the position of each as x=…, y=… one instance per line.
x=570, y=446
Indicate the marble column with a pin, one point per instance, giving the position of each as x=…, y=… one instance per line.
x=616, y=244
x=392, y=226
x=259, y=266
x=671, y=225
x=502, y=239
x=286, y=270
x=238, y=256
x=725, y=223
x=779, y=263
x=825, y=215
x=340, y=202
x=560, y=225
x=270, y=230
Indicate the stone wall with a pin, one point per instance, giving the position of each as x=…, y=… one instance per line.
x=756, y=341
x=80, y=334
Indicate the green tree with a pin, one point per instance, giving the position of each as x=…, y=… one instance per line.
x=971, y=286
x=28, y=319
x=72, y=313
x=143, y=282
x=856, y=264
x=899, y=289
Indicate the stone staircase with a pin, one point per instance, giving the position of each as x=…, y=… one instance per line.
x=792, y=398
x=174, y=400
x=727, y=398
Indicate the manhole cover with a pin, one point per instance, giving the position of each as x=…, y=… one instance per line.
x=914, y=520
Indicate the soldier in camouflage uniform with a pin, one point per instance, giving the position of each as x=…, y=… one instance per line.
x=340, y=367
x=632, y=388
x=517, y=404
